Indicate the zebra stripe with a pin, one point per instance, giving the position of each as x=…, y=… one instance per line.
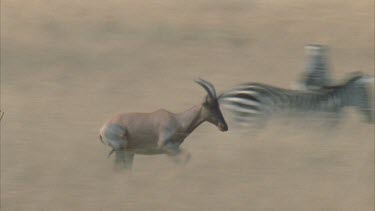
x=253, y=101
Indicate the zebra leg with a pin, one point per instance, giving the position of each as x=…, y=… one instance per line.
x=368, y=114
x=367, y=110
x=260, y=124
x=254, y=122
x=365, y=105
x=332, y=120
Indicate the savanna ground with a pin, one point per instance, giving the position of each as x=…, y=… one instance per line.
x=67, y=66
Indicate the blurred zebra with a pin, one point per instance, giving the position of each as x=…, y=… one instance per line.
x=317, y=71
x=255, y=102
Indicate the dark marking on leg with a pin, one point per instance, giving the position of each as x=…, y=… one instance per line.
x=110, y=153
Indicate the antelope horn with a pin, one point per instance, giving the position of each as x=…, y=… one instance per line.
x=207, y=86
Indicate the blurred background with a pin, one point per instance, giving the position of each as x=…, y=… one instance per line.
x=67, y=66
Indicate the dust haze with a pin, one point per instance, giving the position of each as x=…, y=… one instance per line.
x=67, y=66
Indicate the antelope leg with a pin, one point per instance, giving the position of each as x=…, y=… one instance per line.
x=178, y=155
x=123, y=158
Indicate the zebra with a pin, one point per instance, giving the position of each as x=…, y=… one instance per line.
x=255, y=103
x=317, y=72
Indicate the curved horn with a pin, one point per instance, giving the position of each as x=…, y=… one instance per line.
x=212, y=88
x=207, y=86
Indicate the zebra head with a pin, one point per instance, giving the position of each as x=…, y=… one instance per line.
x=357, y=86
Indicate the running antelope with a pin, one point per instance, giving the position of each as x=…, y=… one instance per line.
x=159, y=132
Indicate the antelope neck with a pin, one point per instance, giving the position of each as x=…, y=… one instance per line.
x=191, y=118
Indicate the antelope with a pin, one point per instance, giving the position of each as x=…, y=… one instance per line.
x=159, y=132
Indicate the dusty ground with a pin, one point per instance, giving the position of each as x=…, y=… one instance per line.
x=68, y=66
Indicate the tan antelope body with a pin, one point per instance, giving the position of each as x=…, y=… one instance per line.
x=159, y=132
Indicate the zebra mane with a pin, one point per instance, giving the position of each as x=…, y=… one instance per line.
x=261, y=86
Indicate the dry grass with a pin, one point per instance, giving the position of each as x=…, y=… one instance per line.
x=66, y=66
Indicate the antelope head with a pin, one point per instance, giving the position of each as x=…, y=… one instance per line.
x=210, y=108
